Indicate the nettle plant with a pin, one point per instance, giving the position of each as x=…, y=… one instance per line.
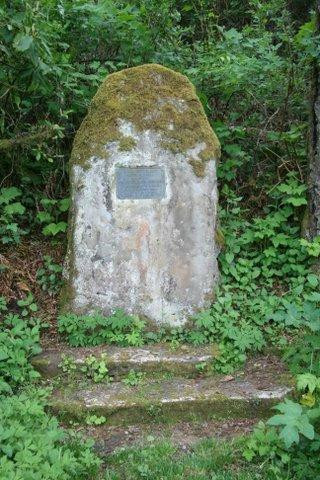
x=51, y=215
x=90, y=330
x=284, y=443
x=32, y=445
x=19, y=341
x=27, y=305
x=96, y=369
x=11, y=213
x=49, y=276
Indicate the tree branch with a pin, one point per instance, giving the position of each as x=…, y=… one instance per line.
x=25, y=140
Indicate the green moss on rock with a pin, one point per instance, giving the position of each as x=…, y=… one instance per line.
x=127, y=143
x=150, y=97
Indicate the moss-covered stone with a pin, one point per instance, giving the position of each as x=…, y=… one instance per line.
x=155, y=359
x=168, y=400
x=150, y=97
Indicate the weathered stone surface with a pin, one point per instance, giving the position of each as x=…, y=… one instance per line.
x=149, y=359
x=144, y=244
x=204, y=398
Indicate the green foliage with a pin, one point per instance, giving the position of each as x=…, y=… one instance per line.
x=27, y=305
x=49, y=276
x=133, y=378
x=19, y=341
x=201, y=367
x=67, y=364
x=3, y=304
x=290, y=440
x=293, y=422
x=265, y=442
x=307, y=381
x=95, y=420
x=209, y=459
x=11, y=211
x=96, y=368
x=90, y=330
x=251, y=64
x=313, y=248
x=304, y=352
x=50, y=215
x=33, y=446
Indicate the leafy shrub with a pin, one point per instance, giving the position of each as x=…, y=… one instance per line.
x=19, y=341
x=133, y=378
x=289, y=443
x=303, y=354
x=11, y=211
x=51, y=215
x=68, y=364
x=49, y=276
x=95, y=420
x=27, y=305
x=87, y=330
x=96, y=368
x=33, y=447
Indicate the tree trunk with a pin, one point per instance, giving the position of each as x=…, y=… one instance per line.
x=314, y=177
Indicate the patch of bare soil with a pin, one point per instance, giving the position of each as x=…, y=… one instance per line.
x=18, y=278
x=266, y=370
x=183, y=434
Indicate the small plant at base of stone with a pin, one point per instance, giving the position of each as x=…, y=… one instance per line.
x=133, y=378
x=27, y=305
x=90, y=330
x=67, y=364
x=49, y=276
x=201, y=367
x=96, y=369
x=95, y=420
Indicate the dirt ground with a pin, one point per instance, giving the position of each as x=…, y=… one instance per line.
x=183, y=434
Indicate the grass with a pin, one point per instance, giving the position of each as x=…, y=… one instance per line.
x=209, y=460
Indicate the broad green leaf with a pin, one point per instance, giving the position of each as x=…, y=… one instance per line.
x=229, y=257
x=54, y=228
x=8, y=194
x=289, y=435
x=305, y=427
x=296, y=201
x=313, y=279
x=14, y=209
x=44, y=217
x=64, y=204
x=22, y=42
x=288, y=407
x=308, y=381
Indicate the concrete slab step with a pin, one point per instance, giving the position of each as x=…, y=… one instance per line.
x=248, y=396
x=150, y=359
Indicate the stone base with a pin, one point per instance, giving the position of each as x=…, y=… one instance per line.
x=168, y=400
x=151, y=360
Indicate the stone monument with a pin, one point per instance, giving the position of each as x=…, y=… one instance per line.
x=143, y=200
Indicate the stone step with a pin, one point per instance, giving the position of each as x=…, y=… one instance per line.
x=216, y=397
x=151, y=359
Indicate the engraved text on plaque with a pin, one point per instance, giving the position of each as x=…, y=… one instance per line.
x=140, y=183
